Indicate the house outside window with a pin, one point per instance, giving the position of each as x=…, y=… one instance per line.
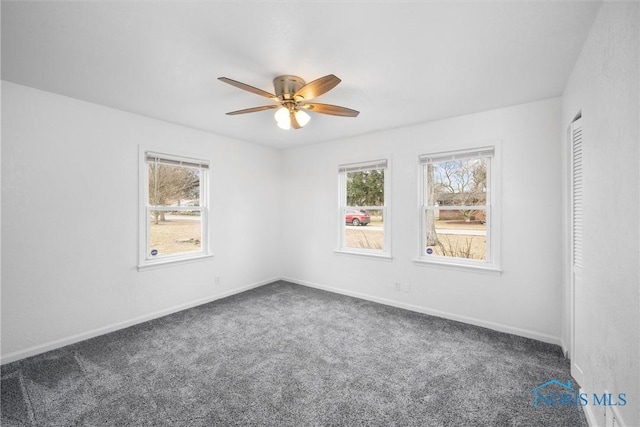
x=457, y=208
x=363, y=213
x=174, y=208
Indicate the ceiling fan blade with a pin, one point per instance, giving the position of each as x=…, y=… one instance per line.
x=317, y=87
x=334, y=110
x=294, y=121
x=248, y=88
x=253, y=110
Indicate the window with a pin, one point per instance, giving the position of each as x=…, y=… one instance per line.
x=364, y=218
x=174, y=208
x=457, y=209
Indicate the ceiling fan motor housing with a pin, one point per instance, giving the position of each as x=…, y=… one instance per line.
x=285, y=86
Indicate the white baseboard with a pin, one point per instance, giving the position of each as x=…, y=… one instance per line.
x=589, y=415
x=52, y=345
x=565, y=349
x=464, y=319
x=596, y=418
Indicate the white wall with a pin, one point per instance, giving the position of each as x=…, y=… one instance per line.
x=604, y=86
x=525, y=299
x=70, y=220
x=71, y=224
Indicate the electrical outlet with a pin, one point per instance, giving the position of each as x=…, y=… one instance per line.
x=398, y=286
x=217, y=280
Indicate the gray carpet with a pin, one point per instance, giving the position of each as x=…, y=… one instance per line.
x=287, y=355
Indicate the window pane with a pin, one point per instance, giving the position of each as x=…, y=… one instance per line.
x=363, y=213
x=173, y=233
x=451, y=233
x=457, y=182
x=364, y=228
x=173, y=185
x=365, y=188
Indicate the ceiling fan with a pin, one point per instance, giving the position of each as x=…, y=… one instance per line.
x=292, y=95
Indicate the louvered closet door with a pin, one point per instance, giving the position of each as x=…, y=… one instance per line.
x=577, y=193
x=580, y=311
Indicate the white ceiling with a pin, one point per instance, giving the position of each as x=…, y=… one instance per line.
x=400, y=62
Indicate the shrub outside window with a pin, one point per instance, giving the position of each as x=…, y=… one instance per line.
x=363, y=208
x=456, y=200
x=175, y=208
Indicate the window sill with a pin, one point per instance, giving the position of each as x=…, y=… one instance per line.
x=486, y=269
x=151, y=265
x=376, y=255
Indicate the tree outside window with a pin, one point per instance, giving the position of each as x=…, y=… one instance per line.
x=456, y=206
x=172, y=185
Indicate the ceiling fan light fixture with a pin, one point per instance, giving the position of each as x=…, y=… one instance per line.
x=302, y=117
x=284, y=125
x=283, y=117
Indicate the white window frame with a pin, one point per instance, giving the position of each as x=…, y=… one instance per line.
x=145, y=259
x=492, y=212
x=343, y=169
